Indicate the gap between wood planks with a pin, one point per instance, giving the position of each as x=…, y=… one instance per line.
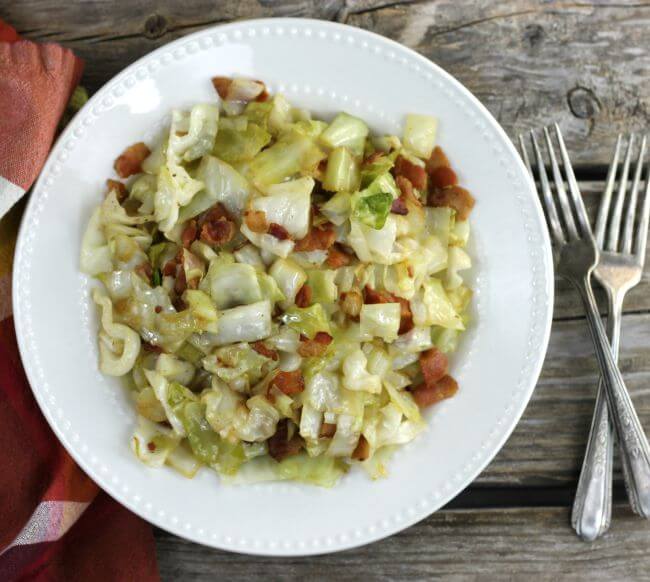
x=510, y=497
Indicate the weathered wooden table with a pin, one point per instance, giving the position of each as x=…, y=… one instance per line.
x=585, y=65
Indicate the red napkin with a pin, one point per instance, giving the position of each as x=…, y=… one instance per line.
x=56, y=524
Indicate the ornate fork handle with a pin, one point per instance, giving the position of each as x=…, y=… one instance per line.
x=635, y=451
x=592, y=508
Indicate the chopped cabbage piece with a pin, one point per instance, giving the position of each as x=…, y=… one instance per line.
x=420, y=134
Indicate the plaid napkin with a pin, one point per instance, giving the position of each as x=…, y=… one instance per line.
x=56, y=524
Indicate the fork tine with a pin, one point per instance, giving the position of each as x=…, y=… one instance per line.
x=642, y=234
x=524, y=156
x=605, y=201
x=579, y=205
x=546, y=195
x=567, y=213
x=615, y=221
x=628, y=228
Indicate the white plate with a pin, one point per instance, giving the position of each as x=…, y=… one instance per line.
x=327, y=68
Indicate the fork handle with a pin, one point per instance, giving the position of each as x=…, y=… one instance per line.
x=635, y=452
x=592, y=506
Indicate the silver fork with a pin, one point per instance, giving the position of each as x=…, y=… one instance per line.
x=576, y=257
x=619, y=269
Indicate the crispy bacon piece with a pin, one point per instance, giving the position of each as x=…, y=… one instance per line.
x=189, y=234
x=434, y=365
x=327, y=430
x=406, y=188
x=169, y=269
x=406, y=317
x=218, y=232
x=215, y=212
x=239, y=89
x=145, y=271
x=289, y=382
x=119, y=188
x=336, y=257
x=130, y=160
x=438, y=159
x=362, y=450
x=256, y=221
x=443, y=177
x=399, y=207
x=425, y=395
x=181, y=282
x=310, y=348
x=417, y=175
x=351, y=303
x=147, y=347
x=454, y=197
x=278, y=231
x=303, y=297
x=261, y=348
x=280, y=445
x=319, y=238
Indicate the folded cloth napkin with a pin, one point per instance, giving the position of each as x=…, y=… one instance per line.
x=55, y=522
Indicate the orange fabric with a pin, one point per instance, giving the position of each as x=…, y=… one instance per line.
x=56, y=523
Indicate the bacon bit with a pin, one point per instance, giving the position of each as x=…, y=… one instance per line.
x=454, y=197
x=158, y=309
x=399, y=207
x=289, y=382
x=213, y=213
x=178, y=303
x=278, y=231
x=256, y=221
x=372, y=296
x=145, y=271
x=417, y=175
x=425, y=395
x=280, y=445
x=406, y=317
x=362, y=451
x=327, y=430
x=372, y=158
x=190, y=232
x=438, y=159
x=151, y=446
x=443, y=177
x=130, y=160
x=119, y=188
x=351, y=303
x=218, y=232
x=406, y=188
x=221, y=85
x=319, y=238
x=263, y=350
x=238, y=89
x=263, y=96
x=434, y=365
x=310, y=348
x=147, y=347
x=169, y=270
x=181, y=282
x=336, y=257
x=303, y=297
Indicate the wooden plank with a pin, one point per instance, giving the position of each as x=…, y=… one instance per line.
x=547, y=446
x=584, y=64
x=474, y=544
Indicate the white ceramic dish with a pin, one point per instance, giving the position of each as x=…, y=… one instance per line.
x=327, y=68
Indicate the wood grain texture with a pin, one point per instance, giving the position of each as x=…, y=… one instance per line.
x=451, y=545
x=583, y=64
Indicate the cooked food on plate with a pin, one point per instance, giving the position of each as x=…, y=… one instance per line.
x=281, y=292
